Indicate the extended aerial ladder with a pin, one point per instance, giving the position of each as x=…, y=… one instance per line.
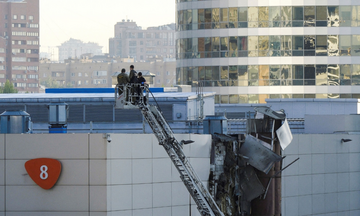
x=131, y=96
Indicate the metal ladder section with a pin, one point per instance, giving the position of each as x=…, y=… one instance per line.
x=204, y=201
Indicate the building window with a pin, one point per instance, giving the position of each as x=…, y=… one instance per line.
x=15, y=17
x=22, y=17
x=19, y=68
x=99, y=73
x=34, y=25
x=31, y=17
x=33, y=85
x=80, y=74
x=35, y=34
x=72, y=74
x=19, y=59
x=33, y=59
x=19, y=33
x=33, y=68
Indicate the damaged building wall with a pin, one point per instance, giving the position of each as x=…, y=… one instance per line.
x=237, y=186
x=246, y=170
x=324, y=181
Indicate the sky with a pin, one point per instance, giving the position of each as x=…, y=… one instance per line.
x=94, y=20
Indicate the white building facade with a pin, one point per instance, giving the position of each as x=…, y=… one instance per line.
x=130, y=176
x=247, y=51
x=74, y=48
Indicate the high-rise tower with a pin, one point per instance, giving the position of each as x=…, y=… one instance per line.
x=247, y=51
x=19, y=44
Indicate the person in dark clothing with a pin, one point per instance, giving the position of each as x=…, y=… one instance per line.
x=133, y=79
x=122, y=80
x=132, y=75
x=142, y=81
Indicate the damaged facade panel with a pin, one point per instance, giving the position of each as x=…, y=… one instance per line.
x=260, y=157
x=243, y=165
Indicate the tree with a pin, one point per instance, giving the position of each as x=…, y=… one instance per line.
x=8, y=88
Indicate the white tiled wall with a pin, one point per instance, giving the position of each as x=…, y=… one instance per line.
x=326, y=179
x=132, y=175
x=143, y=179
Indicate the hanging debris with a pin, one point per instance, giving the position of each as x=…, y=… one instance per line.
x=242, y=166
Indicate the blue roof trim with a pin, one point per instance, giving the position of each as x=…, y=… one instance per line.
x=89, y=90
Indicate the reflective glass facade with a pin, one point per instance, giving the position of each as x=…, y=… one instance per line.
x=268, y=45
x=247, y=53
x=271, y=16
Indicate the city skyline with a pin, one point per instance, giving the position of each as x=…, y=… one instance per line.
x=85, y=26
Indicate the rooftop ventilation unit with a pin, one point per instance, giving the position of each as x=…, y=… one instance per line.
x=15, y=122
x=58, y=115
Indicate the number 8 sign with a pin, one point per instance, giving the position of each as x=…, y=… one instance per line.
x=44, y=171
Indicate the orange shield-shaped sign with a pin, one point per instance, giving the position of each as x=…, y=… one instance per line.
x=43, y=171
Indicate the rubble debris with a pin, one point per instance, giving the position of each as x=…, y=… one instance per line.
x=260, y=156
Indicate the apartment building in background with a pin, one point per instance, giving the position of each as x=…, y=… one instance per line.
x=131, y=41
x=19, y=44
x=247, y=51
x=74, y=48
x=98, y=72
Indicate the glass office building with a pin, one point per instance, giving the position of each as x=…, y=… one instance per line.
x=247, y=51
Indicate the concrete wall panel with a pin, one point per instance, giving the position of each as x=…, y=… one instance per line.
x=201, y=147
x=74, y=172
x=119, y=198
x=141, y=145
x=141, y=212
x=98, y=146
x=34, y=198
x=161, y=170
x=180, y=195
x=162, y=211
x=2, y=172
x=98, y=172
x=2, y=198
x=57, y=146
x=98, y=198
x=142, y=171
x=119, y=171
x=162, y=194
x=142, y=196
x=180, y=210
x=2, y=146
x=201, y=167
x=120, y=146
x=99, y=214
x=46, y=213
